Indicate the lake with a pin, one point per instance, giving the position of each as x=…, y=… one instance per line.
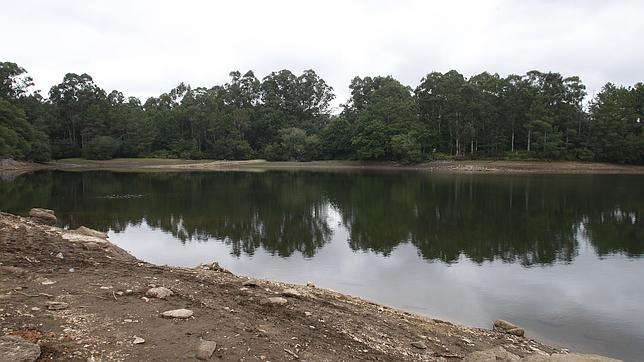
x=560, y=255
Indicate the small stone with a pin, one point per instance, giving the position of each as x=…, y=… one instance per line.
x=105, y=288
x=128, y=291
x=145, y=299
x=57, y=305
x=127, y=320
x=119, y=293
x=491, y=355
x=90, y=245
x=206, y=349
x=273, y=301
x=35, y=309
x=507, y=327
x=91, y=232
x=138, y=340
x=71, y=270
x=290, y=292
x=159, y=292
x=14, y=348
x=310, y=284
x=60, y=256
x=48, y=282
x=308, y=314
x=250, y=283
x=419, y=345
x=177, y=313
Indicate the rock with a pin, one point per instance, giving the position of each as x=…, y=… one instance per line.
x=308, y=314
x=12, y=270
x=43, y=216
x=250, y=283
x=48, y=282
x=91, y=232
x=206, y=349
x=138, y=340
x=57, y=305
x=159, y=292
x=310, y=284
x=14, y=348
x=71, y=270
x=60, y=256
x=273, y=301
x=90, y=245
x=491, y=355
x=290, y=292
x=570, y=357
x=509, y=328
x=177, y=313
x=419, y=345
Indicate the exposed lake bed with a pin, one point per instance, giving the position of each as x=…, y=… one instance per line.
x=549, y=252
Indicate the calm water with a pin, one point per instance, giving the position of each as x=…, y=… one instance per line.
x=558, y=254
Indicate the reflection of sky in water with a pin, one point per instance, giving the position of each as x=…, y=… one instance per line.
x=587, y=304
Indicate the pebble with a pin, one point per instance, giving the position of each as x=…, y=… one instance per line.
x=145, y=299
x=71, y=270
x=308, y=314
x=138, y=340
x=273, y=301
x=48, y=282
x=206, y=349
x=310, y=284
x=60, y=256
x=177, y=313
x=159, y=292
x=419, y=345
x=128, y=291
x=35, y=309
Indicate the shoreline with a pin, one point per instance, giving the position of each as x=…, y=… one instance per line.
x=105, y=304
x=468, y=167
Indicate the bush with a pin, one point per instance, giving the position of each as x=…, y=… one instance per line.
x=441, y=156
x=102, y=148
x=406, y=149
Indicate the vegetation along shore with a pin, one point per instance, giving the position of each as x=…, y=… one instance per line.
x=73, y=295
x=290, y=117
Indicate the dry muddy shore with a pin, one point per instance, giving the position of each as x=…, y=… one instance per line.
x=72, y=295
x=473, y=166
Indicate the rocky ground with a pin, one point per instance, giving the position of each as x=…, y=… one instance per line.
x=72, y=295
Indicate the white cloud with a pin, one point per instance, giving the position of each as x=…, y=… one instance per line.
x=144, y=48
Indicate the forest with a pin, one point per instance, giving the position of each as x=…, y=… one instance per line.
x=286, y=116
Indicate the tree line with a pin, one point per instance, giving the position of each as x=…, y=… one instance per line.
x=285, y=116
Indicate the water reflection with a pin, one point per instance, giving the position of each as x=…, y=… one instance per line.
x=526, y=219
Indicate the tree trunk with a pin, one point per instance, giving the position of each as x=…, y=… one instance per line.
x=529, y=134
x=512, y=140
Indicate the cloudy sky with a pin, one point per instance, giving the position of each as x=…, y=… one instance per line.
x=144, y=48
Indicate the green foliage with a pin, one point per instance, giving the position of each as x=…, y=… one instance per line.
x=286, y=116
x=406, y=148
x=101, y=148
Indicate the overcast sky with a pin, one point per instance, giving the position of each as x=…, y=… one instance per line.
x=144, y=48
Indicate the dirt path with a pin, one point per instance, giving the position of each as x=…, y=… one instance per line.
x=101, y=292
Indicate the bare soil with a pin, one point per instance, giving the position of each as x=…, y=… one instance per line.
x=473, y=166
x=104, y=288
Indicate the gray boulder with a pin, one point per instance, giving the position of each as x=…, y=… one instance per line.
x=14, y=348
x=43, y=216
